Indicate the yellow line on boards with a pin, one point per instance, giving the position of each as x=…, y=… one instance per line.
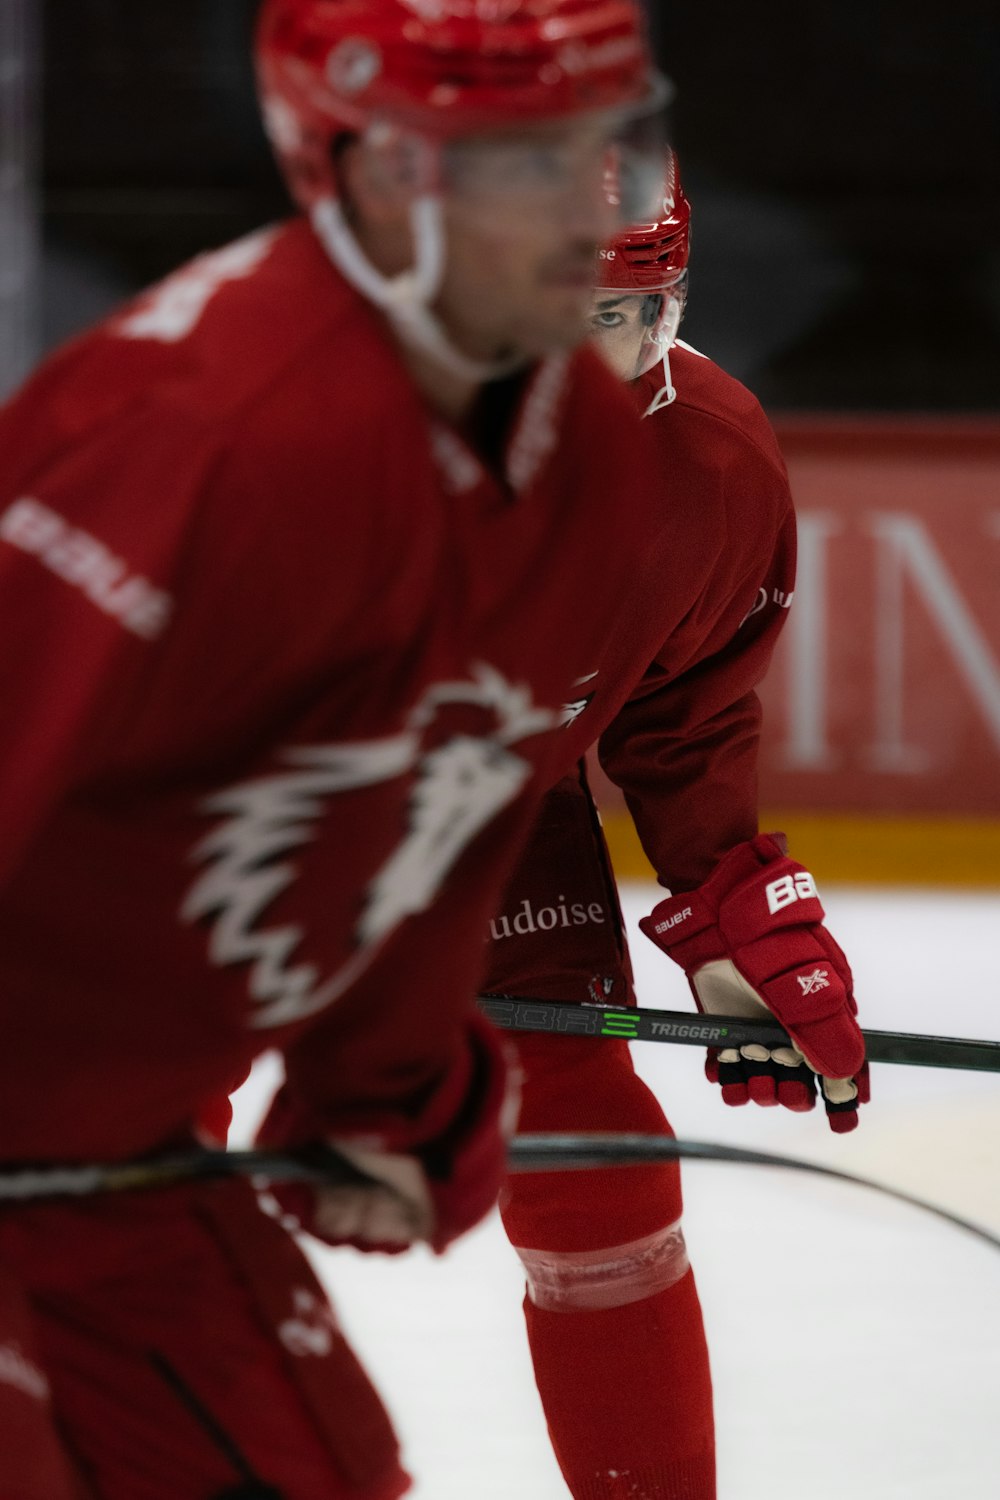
x=869, y=849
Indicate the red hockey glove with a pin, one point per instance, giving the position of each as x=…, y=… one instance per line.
x=752, y=943
x=433, y=1191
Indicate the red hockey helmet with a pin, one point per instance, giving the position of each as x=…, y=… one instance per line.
x=650, y=261
x=441, y=68
x=651, y=257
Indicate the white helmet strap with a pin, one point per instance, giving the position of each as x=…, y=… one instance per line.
x=664, y=337
x=422, y=281
x=406, y=299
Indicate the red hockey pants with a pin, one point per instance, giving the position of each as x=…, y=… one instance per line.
x=175, y=1345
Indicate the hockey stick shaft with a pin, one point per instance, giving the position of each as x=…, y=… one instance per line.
x=324, y=1166
x=689, y=1029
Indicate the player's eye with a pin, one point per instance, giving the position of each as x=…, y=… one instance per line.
x=607, y=320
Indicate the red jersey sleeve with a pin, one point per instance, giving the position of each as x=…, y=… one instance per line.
x=684, y=747
x=73, y=616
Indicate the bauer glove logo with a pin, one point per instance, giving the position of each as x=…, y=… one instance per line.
x=788, y=890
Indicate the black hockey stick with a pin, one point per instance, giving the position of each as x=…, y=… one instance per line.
x=536, y=1153
x=688, y=1028
x=324, y=1166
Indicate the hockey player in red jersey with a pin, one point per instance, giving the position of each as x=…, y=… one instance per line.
x=301, y=554
x=613, y=1317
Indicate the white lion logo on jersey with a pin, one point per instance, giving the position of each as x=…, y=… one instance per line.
x=460, y=787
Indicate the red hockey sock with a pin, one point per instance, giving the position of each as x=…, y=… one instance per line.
x=628, y=1396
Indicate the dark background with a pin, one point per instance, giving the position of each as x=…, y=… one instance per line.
x=842, y=158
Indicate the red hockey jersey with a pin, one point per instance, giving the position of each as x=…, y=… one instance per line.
x=716, y=582
x=284, y=666
x=684, y=747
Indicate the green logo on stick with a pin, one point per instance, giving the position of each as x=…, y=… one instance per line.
x=622, y=1024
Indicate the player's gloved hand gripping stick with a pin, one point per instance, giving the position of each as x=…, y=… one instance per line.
x=432, y=1188
x=752, y=943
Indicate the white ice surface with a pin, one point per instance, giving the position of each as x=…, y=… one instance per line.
x=855, y=1344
